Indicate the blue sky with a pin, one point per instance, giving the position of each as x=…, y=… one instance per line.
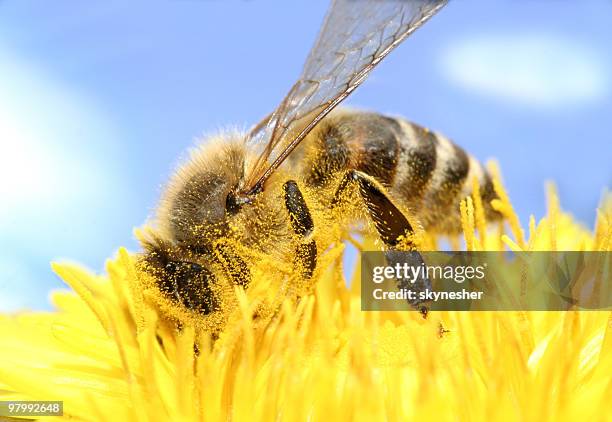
x=99, y=101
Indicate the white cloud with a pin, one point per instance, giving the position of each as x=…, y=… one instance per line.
x=537, y=70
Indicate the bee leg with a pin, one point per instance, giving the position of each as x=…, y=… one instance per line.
x=233, y=265
x=189, y=283
x=393, y=228
x=302, y=224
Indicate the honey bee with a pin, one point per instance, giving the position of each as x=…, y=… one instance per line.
x=233, y=202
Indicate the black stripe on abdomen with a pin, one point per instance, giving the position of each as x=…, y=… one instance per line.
x=417, y=162
x=456, y=170
x=450, y=174
x=376, y=140
x=367, y=142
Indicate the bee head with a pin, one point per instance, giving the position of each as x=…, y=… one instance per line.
x=200, y=200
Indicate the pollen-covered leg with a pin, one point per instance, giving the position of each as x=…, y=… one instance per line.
x=233, y=265
x=181, y=280
x=189, y=283
x=393, y=228
x=302, y=224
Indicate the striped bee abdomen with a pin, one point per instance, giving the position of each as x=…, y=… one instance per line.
x=421, y=169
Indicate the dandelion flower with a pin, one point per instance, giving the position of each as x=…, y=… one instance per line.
x=109, y=354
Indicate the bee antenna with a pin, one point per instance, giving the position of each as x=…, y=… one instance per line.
x=257, y=188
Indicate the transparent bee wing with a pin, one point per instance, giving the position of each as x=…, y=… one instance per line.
x=356, y=35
